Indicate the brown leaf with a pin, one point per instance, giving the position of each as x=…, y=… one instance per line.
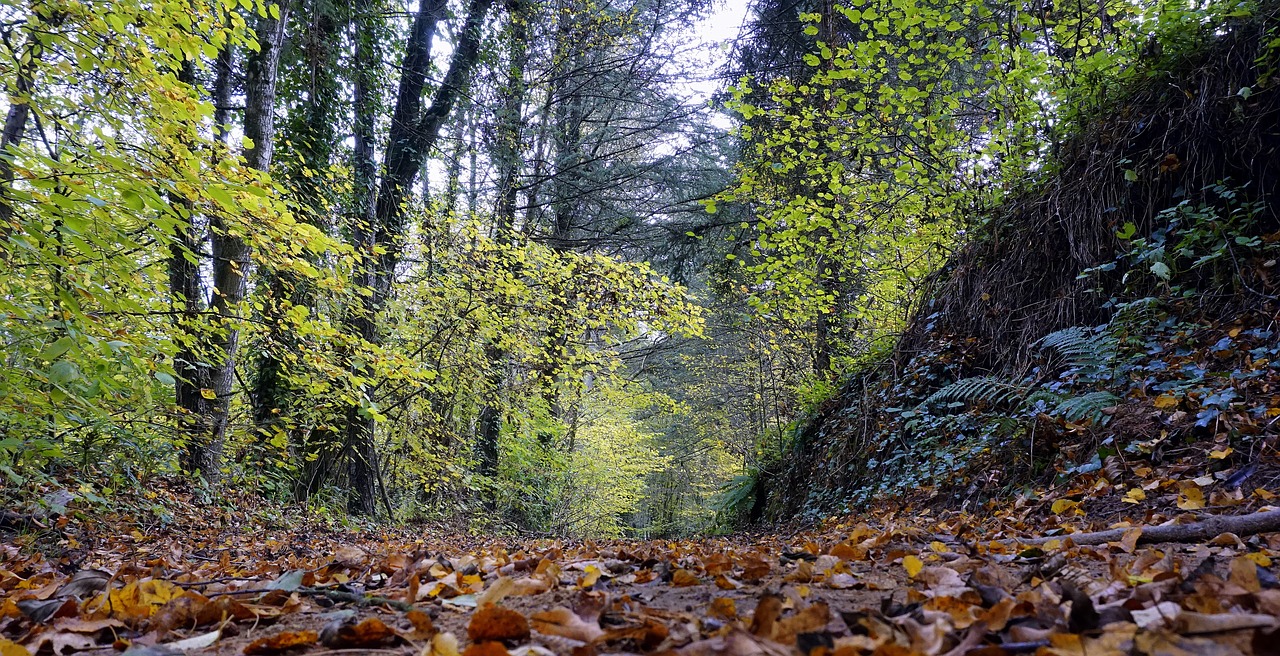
x=766, y=615
x=75, y=634
x=494, y=623
x=486, y=649
x=646, y=637
x=423, y=626
x=813, y=618
x=350, y=556
x=846, y=551
x=723, y=608
x=737, y=643
x=1244, y=573
x=683, y=578
x=726, y=583
x=346, y=633
x=530, y=585
x=566, y=624
x=281, y=642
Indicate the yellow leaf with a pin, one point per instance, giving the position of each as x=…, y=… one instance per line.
x=1259, y=558
x=208, y=393
x=1219, y=455
x=913, y=565
x=938, y=547
x=1192, y=497
x=589, y=577
x=1134, y=496
x=1063, y=505
x=1165, y=402
x=10, y=648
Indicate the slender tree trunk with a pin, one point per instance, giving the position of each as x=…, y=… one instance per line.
x=311, y=141
x=413, y=135
x=15, y=126
x=231, y=255
x=507, y=161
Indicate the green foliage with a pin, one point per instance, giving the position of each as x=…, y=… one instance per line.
x=736, y=496
x=1087, y=355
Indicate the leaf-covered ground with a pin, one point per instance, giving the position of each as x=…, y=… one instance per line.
x=884, y=583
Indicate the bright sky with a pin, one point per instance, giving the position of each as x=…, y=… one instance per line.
x=712, y=41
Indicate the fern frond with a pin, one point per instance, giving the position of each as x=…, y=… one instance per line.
x=1081, y=348
x=1087, y=406
x=979, y=389
x=735, y=495
x=1050, y=399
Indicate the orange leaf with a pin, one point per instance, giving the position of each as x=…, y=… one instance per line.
x=683, y=578
x=494, y=623
x=281, y=642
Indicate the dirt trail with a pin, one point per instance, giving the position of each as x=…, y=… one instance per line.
x=894, y=587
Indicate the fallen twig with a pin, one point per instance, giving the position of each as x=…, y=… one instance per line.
x=357, y=599
x=1201, y=531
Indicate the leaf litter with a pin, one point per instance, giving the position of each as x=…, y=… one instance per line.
x=884, y=584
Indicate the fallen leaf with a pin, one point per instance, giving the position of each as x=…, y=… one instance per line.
x=683, y=578
x=497, y=624
x=813, y=618
x=1191, y=497
x=442, y=644
x=486, y=649
x=202, y=641
x=913, y=565
x=281, y=642
x=423, y=626
x=10, y=648
x=766, y=615
x=723, y=608
x=347, y=633
x=566, y=624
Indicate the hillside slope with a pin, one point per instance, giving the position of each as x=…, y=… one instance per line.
x=1147, y=257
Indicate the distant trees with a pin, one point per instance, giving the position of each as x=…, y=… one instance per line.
x=228, y=250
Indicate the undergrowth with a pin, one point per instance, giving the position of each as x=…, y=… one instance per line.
x=1124, y=307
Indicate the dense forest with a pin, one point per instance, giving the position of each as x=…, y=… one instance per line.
x=640, y=327
x=512, y=266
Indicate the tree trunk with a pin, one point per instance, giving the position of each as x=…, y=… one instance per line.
x=231, y=255
x=413, y=135
x=15, y=126
x=507, y=161
x=311, y=141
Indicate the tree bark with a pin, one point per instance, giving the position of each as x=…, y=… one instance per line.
x=413, y=135
x=15, y=126
x=1201, y=531
x=310, y=140
x=507, y=160
x=231, y=255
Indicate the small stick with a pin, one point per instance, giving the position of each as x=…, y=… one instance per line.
x=1201, y=531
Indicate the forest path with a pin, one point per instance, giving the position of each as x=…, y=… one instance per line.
x=894, y=586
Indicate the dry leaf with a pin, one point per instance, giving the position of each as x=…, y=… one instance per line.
x=683, y=578
x=347, y=633
x=723, y=608
x=281, y=642
x=497, y=624
x=566, y=624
